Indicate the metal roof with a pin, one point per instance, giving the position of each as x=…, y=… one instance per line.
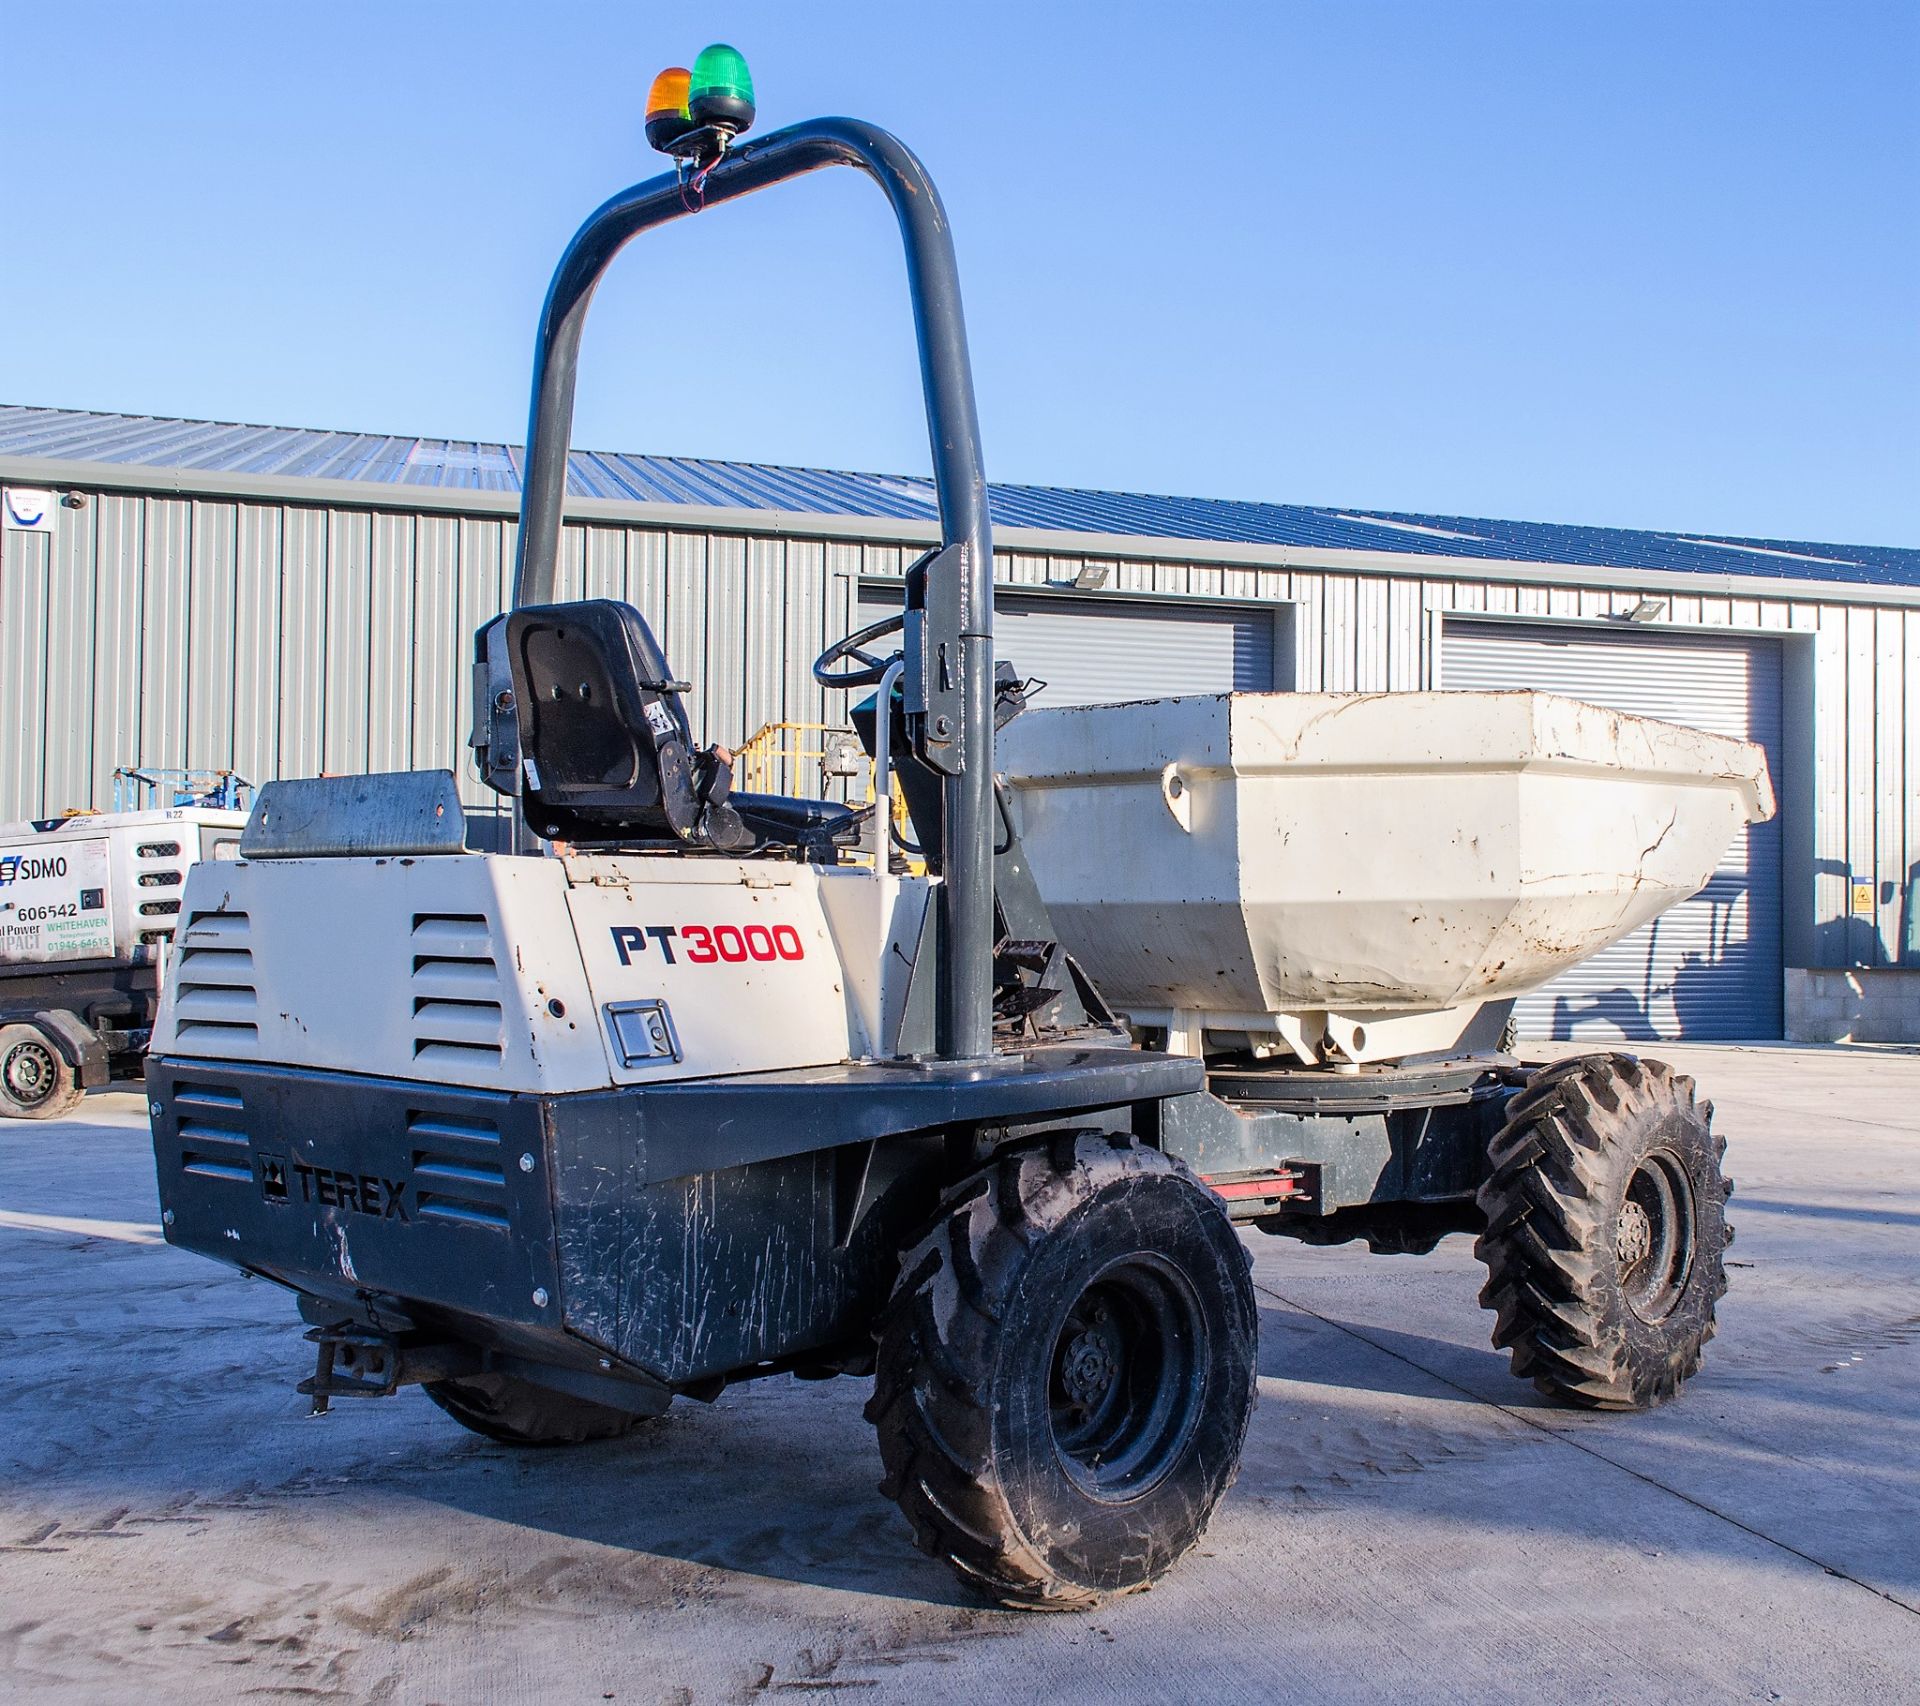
x=456, y=464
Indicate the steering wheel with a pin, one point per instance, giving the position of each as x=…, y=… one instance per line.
x=853, y=648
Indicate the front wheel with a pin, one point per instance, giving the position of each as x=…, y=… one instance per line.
x=36, y=1083
x=1605, y=1231
x=1066, y=1372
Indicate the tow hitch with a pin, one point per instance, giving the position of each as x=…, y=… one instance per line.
x=354, y=1362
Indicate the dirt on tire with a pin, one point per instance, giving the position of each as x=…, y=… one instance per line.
x=1008, y=1336
x=1605, y=1231
x=36, y=1083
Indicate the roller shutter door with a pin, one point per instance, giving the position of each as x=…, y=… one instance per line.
x=1092, y=651
x=1709, y=969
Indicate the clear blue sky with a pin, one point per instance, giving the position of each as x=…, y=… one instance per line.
x=1647, y=264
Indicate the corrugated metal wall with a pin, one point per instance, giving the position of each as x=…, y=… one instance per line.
x=1091, y=651
x=285, y=639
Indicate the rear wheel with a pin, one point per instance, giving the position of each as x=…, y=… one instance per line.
x=36, y=1083
x=1066, y=1372
x=517, y=1412
x=1605, y=1231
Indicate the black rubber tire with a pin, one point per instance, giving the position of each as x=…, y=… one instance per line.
x=1606, y=1231
x=1087, y=1278
x=36, y=1083
x=512, y=1411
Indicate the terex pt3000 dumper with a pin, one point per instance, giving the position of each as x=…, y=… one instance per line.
x=694, y=1088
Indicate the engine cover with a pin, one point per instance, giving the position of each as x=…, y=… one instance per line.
x=503, y=972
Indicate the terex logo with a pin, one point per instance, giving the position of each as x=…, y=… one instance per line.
x=362, y=1193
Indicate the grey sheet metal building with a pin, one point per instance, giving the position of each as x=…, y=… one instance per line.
x=287, y=602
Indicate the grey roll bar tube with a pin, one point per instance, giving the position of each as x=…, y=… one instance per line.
x=963, y=1021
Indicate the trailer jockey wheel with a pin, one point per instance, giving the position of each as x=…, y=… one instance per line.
x=1066, y=1372
x=36, y=1083
x=1605, y=1231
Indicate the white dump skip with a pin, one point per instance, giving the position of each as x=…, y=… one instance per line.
x=1353, y=875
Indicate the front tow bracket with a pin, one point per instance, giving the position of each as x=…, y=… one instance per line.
x=353, y=1362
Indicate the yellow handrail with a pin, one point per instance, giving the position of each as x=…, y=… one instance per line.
x=769, y=761
x=764, y=763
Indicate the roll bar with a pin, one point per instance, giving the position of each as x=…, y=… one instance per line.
x=958, y=620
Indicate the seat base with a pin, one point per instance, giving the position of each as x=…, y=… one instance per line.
x=786, y=818
x=812, y=830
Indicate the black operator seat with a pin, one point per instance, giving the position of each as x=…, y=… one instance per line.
x=607, y=754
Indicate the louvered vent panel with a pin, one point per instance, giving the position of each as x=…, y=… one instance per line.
x=458, y=1174
x=457, y=1015
x=160, y=865
x=213, y=1131
x=217, y=1002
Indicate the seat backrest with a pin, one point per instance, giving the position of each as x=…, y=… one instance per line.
x=606, y=751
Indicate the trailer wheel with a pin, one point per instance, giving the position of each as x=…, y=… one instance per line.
x=1605, y=1231
x=517, y=1412
x=36, y=1083
x=1066, y=1372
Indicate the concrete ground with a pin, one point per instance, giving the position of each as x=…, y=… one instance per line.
x=1411, y=1522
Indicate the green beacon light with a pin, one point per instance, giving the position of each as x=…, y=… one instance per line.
x=721, y=90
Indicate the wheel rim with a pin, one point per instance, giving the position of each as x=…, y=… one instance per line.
x=29, y=1073
x=1653, y=1239
x=1125, y=1386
